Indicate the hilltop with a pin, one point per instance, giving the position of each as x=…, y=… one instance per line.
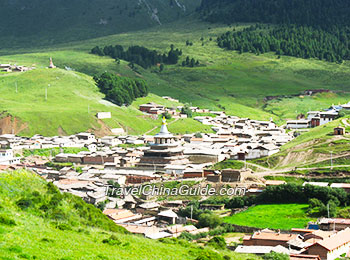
x=71, y=229
x=49, y=22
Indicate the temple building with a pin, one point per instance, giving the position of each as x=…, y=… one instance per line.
x=164, y=151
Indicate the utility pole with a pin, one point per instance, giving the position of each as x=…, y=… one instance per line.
x=328, y=209
x=191, y=212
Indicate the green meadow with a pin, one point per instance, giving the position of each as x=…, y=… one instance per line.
x=225, y=80
x=38, y=222
x=71, y=105
x=276, y=216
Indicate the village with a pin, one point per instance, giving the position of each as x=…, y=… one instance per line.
x=124, y=161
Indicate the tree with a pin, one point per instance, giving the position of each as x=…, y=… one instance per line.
x=166, y=115
x=161, y=67
x=186, y=111
x=209, y=220
x=121, y=90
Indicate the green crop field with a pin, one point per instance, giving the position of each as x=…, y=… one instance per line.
x=276, y=216
x=36, y=222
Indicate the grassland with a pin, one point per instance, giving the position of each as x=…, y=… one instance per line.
x=72, y=229
x=52, y=152
x=225, y=79
x=312, y=150
x=72, y=103
x=276, y=216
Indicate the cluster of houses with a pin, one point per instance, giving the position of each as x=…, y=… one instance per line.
x=131, y=161
x=328, y=239
x=241, y=138
x=317, y=118
x=14, y=68
x=155, y=109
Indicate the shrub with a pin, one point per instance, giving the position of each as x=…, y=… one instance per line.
x=217, y=242
x=112, y=240
x=275, y=256
x=209, y=220
x=5, y=220
x=209, y=255
x=24, y=203
x=64, y=226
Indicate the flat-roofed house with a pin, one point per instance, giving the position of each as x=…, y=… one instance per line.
x=344, y=186
x=231, y=175
x=297, y=124
x=268, y=239
x=334, y=223
x=168, y=216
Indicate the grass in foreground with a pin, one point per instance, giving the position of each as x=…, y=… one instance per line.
x=276, y=216
x=38, y=222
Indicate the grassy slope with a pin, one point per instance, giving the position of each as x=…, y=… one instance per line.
x=226, y=79
x=237, y=82
x=312, y=149
x=272, y=216
x=36, y=234
x=38, y=23
x=70, y=94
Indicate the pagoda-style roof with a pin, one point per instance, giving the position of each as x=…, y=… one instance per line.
x=164, y=133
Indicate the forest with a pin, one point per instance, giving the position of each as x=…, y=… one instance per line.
x=139, y=55
x=121, y=90
x=292, y=40
x=316, y=13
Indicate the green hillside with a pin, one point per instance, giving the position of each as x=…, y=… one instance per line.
x=225, y=80
x=33, y=23
x=313, y=150
x=72, y=103
x=38, y=222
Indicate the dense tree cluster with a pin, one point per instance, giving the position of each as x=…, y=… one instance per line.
x=288, y=193
x=139, y=55
x=121, y=90
x=302, y=12
x=299, y=41
x=190, y=62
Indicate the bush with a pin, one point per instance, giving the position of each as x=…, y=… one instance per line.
x=209, y=255
x=217, y=242
x=112, y=240
x=209, y=220
x=5, y=220
x=275, y=256
x=314, y=203
x=24, y=203
x=64, y=226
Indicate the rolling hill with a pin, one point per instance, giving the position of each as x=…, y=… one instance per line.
x=71, y=229
x=312, y=150
x=72, y=103
x=257, y=86
x=238, y=83
x=29, y=23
